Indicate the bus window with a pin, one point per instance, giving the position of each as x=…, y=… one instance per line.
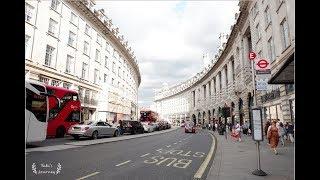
x=75, y=97
x=37, y=104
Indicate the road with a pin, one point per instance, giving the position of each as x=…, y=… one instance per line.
x=173, y=155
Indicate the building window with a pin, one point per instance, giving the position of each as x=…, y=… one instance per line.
x=96, y=76
x=112, y=81
x=55, y=4
x=285, y=34
x=226, y=75
x=267, y=16
x=49, y=55
x=254, y=10
x=86, y=48
x=73, y=18
x=214, y=85
x=119, y=70
x=98, y=39
x=87, y=30
x=66, y=85
x=97, y=58
x=105, y=78
x=70, y=65
x=84, y=70
x=258, y=33
x=26, y=41
x=55, y=82
x=72, y=37
x=232, y=68
x=107, y=47
x=271, y=50
x=44, y=79
x=52, y=27
x=28, y=12
x=220, y=81
x=106, y=61
x=114, y=67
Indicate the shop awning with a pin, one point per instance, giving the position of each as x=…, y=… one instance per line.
x=285, y=74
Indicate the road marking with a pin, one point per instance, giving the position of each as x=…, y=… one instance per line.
x=168, y=146
x=123, y=163
x=180, y=141
x=89, y=175
x=175, y=143
x=145, y=155
x=205, y=163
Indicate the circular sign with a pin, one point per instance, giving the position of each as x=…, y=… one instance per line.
x=252, y=55
x=262, y=63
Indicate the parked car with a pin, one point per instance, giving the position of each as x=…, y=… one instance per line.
x=92, y=129
x=189, y=128
x=168, y=125
x=162, y=125
x=149, y=126
x=132, y=127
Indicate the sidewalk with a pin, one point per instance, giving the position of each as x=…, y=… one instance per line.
x=236, y=160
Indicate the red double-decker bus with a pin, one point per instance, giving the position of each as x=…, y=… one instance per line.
x=61, y=118
x=148, y=116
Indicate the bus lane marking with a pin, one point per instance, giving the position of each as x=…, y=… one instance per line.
x=123, y=163
x=89, y=175
x=145, y=155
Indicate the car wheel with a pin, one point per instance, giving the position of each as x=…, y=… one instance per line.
x=94, y=135
x=116, y=133
x=60, y=132
x=76, y=137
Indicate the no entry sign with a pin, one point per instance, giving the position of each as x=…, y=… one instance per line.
x=262, y=65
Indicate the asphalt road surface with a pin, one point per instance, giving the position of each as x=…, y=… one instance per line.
x=174, y=155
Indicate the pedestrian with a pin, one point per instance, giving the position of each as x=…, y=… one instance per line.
x=245, y=128
x=121, y=127
x=238, y=131
x=266, y=127
x=273, y=136
x=291, y=132
x=281, y=133
x=215, y=126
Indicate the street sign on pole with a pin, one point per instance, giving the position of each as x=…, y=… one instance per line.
x=256, y=117
x=262, y=82
x=252, y=55
x=257, y=124
x=262, y=65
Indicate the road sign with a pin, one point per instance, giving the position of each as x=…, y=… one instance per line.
x=262, y=65
x=262, y=81
x=252, y=55
x=257, y=124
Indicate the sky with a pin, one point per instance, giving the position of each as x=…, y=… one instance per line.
x=169, y=38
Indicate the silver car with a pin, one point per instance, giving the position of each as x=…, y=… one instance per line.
x=93, y=130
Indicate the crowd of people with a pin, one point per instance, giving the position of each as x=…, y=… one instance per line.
x=275, y=131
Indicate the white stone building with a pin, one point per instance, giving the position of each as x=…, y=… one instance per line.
x=72, y=45
x=264, y=27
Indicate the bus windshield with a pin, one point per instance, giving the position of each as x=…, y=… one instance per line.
x=37, y=104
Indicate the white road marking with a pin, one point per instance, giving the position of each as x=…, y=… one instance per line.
x=205, y=163
x=145, y=155
x=175, y=143
x=123, y=163
x=168, y=146
x=180, y=141
x=89, y=175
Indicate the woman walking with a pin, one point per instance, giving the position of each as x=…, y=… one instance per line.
x=273, y=136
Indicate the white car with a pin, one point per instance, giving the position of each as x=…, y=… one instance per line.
x=93, y=130
x=149, y=127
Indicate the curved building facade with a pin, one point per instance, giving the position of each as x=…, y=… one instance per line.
x=264, y=27
x=72, y=45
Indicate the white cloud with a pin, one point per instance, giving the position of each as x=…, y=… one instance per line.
x=169, y=37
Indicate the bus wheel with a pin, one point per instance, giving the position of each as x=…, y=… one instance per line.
x=60, y=132
x=94, y=135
